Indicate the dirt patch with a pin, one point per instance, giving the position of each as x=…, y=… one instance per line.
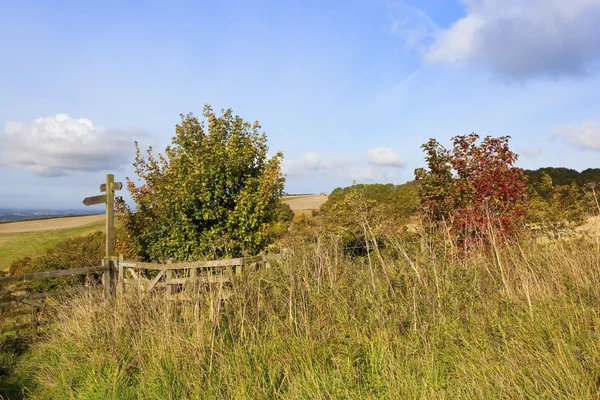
x=50, y=224
x=591, y=226
x=309, y=202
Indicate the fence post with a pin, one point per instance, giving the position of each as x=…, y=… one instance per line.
x=108, y=278
x=34, y=323
x=169, y=276
x=120, y=277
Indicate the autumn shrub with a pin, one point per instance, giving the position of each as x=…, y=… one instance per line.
x=475, y=188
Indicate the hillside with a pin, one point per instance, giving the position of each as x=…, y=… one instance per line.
x=31, y=238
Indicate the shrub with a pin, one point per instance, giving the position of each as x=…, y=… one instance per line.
x=555, y=207
x=474, y=187
x=215, y=192
x=401, y=200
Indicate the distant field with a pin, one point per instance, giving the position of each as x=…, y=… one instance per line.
x=30, y=238
x=49, y=224
x=305, y=202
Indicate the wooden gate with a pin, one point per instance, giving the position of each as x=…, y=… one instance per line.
x=172, y=277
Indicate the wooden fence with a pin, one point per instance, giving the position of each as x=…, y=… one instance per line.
x=26, y=311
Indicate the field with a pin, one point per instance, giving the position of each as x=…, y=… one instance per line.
x=30, y=238
x=305, y=202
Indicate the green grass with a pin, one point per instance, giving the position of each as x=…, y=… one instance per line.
x=17, y=245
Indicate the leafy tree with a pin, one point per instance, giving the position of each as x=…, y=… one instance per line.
x=215, y=192
x=474, y=187
x=555, y=206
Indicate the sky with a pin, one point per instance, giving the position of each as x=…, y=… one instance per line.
x=348, y=90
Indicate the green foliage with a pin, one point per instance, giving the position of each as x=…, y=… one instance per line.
x=359, y=222
x=474, y=187
x=563, y=176
x=555, y=207
x=401, y=200
x=215, y=192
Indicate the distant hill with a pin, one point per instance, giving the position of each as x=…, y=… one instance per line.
x=8, y=214
x=564, y=176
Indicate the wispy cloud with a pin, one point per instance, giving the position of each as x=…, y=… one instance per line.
x=378, y=164
x=61, y=145
x=585, y=136
x=409, y=22
x=312, y=163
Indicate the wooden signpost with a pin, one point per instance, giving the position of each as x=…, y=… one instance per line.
x=109, y=198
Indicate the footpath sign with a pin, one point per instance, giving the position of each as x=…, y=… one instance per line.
x=109, y=198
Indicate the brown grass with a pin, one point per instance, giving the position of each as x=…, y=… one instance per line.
x=50, y=224
x=308, y=202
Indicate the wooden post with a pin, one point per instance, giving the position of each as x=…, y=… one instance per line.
x=34, y=323
x=121, y=277
x=106, y=281
x=110, y=217
x=169, y=276
x=110, y=236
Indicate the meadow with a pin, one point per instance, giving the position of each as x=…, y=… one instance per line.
x=358, y=308
x=518, y=321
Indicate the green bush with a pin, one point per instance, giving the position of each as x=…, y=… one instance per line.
x=215, y=192
x=401, y=200
x=555, y=207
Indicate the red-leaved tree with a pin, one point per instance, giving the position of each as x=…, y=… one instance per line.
x=475, y=188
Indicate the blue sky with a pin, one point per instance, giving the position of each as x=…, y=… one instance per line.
x=348, y=90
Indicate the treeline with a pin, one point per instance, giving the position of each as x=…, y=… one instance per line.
x=564, y=176
x=404, y=198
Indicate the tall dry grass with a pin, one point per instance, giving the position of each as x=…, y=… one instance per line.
x=411, y=320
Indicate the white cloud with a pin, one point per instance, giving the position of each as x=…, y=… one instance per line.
x=371, y=175
x=313, y=163
x=385, y=156
x=61, y=145
x=380, y=165
x=530, y=152
x=586, y=136
x=520, y=39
